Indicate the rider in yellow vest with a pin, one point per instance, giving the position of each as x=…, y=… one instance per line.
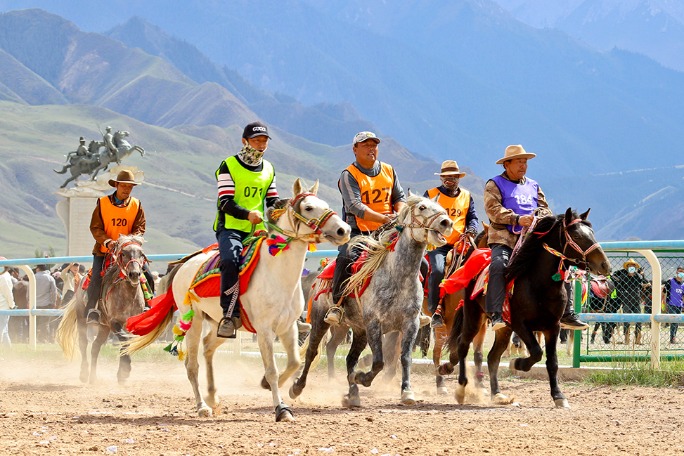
x=460, y=207
x=246, y=185
x=371, y=196
x=114, y=215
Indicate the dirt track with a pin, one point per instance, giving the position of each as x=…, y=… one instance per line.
x=44, y=409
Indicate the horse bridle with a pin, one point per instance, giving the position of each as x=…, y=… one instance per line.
x=569, y=241
x=123, y=268
x=296, y=219
x=426, y=224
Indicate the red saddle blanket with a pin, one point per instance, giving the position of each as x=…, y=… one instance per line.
x=206, y=284
x=476, y=267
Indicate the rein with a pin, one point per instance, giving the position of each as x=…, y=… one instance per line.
x=569, y=241
x=417, y=224
x=123, y=268
x=296, y=219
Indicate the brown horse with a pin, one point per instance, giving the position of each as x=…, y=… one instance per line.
x=449, y=304
x=537, y=300
x=122, y=297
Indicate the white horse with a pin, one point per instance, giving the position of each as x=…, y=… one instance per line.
x=392, y=300
x=273, y=302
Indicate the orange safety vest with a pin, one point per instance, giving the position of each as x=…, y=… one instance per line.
x=457, y=209
x=117, y=220
x=376, y=193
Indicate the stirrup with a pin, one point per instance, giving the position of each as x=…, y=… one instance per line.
x=436, y=321
x=334, y=315
x=93, y=316
x=228, y=326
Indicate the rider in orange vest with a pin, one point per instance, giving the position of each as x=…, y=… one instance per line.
x=371, y=196
x=114, y=215
x=460, y=207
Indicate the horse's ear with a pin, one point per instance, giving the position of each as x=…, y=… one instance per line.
x=410, y=193
x=568, y=216
x=436, y=197
x=314, y=189
x=585, y=215
x=297, y=187
x=485, y=226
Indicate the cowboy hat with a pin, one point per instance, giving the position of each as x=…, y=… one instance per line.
x=513, y=152
x=632, y=262
x=450, y=168
x=124, y=177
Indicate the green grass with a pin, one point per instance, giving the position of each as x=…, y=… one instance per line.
x=670, y=374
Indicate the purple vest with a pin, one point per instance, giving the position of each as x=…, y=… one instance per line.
x=520, y=198
x=676, y=293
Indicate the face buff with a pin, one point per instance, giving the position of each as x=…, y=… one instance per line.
x=251, y=156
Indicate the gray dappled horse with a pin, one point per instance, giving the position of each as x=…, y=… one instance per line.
x=122, y=297
x=392, y=299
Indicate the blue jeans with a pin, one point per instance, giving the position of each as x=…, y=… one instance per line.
x=230, y=248
x=496, y=289
x=437, y=258
x=673, y=326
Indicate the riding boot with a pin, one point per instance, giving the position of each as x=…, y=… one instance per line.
x=437, y=320
x=334, y=314
x=231, y=321
x=570, y=320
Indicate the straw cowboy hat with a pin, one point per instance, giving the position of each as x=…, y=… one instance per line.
x=124, y=177
x=632, y=262
x=450, y=168
x=513, y=152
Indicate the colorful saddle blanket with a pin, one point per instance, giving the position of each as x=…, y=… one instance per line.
x=207, y=281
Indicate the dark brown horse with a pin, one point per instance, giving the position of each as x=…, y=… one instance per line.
x=537, y=301
x=122, y=297
x=450, y=304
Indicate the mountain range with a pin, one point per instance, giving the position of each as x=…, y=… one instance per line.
x=438, y=80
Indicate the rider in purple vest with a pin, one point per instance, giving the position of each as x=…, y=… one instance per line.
x=674, y=292
x=511, y=202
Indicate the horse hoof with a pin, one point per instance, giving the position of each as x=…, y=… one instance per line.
x=511, y=366
x=351, y=401
x=442, y=391
x=284, y=413
x=293, y=393
x=408, y=398
x=459, y=394
x=562, y=403
x=502, y=399
x=204, y=412
x=264, y=384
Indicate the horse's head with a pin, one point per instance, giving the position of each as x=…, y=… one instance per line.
x=311, y=218
x=426, y=220
x=581, y=245
x=130, y=257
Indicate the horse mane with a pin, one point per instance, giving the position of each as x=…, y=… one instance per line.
x=527, y=256
x=376, y=245
x=137, y=238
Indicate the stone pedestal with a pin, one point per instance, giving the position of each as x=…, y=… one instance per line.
x=76, y=209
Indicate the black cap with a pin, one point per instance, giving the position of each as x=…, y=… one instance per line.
x=255, y=129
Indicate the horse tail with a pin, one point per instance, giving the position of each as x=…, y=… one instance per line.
x=456, y=330
x=137, y=343
x=64, y=170
x=68, y=327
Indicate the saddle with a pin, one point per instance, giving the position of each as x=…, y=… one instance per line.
x=207, y=280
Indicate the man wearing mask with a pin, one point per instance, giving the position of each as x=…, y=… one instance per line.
x=460, y=207
x=246, y=185
x=630, y=285
x=511, y=201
